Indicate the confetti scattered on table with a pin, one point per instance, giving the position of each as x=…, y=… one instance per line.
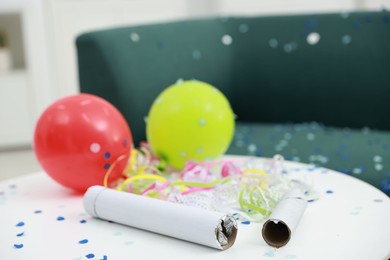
x=20, y=224
x=18, y=246
x=270, y=254
x=84, y=241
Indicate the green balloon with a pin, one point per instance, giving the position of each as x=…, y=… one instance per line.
x=190, y=120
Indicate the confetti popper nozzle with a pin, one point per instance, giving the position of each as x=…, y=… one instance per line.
x=284, y=219
x=209, y=228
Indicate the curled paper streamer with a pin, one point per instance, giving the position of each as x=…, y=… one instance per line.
x=204, y=227
x=284, y=219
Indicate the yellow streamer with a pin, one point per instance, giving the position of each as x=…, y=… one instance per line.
x=141, y=177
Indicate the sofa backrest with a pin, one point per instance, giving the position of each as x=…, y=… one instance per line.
x=329, y=68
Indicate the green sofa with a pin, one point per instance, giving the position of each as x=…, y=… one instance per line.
x=314, y=88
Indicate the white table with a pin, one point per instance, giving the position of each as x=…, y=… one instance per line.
x=351, y=220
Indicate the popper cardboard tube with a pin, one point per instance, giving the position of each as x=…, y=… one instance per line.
x=284, y=219
x=209, y=228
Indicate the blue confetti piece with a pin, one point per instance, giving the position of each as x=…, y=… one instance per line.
x=84, y=241
x=107, y=166
x=20, y=234
x=89, y=256
x=311, y=201
x=385, y=186
x=369, y=18
x=83, y=221
x=245, y=222
x=104, y=258
x=12, y=186
x=386, y=18
x=344, y=170
x=60, y=218
x=20, y=224
x=107, y=155
x=18, y=246
x=37, y=211
x=329, y=192
x=269, y=254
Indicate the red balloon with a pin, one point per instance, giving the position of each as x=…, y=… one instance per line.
x=78, y=138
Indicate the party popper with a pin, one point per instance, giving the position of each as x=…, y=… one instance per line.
x=209, y=228
x=277, y=230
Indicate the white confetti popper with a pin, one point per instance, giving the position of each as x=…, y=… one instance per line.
x=209, y=228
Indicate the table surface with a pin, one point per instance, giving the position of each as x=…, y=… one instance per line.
x=39, y=219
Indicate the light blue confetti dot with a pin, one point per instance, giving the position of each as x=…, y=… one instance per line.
x=20, y=234
x=346, y=39
x=313, y=38
x=378, y=167
x=135, y=37
x=252, y=148
x=117, y=233
x=270, y=254
x=310, y=136
x=20, y=224
x=273, y=43
x=227, y=39
x=199, y=150
x=202, y=122
x=196, y=55
x=344, y=15
x=288, y=48
x=60, y=218
x=243, y=28
x=18, y=246
x=89, y=256
x=84, y=241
